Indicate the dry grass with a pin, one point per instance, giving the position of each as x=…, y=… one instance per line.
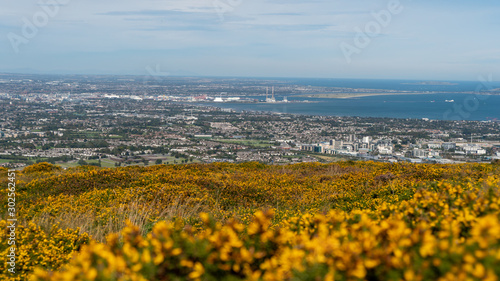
x=138, y=212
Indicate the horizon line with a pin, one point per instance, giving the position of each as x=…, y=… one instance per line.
x=227, y=76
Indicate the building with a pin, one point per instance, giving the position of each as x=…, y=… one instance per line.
x=449, y=146
x=434, y=145
x=312, y=148
x=434, y=153
x=203, y=136
x=474, y=150
x=420, y=153
x=333, y=143
x=384, y=149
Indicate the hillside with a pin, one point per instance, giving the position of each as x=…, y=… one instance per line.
x=343, y=221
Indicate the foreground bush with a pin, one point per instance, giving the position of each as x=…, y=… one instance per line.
x=358, y=220
x=447, y=232
x=35, y=247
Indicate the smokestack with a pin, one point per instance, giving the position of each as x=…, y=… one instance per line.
x=273, y=92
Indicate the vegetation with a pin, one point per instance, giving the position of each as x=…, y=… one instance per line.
x=342, y=221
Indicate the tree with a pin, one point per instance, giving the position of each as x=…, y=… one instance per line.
x=158, y=162
x=29, y=146
x=47, y=146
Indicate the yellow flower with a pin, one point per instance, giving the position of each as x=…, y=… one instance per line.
x=198, y=271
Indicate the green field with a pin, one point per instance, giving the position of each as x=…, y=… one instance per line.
x=251, y=143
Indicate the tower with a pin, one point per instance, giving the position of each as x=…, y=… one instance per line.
x=270, y=99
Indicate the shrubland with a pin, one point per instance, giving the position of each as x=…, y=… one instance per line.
x=342, y=221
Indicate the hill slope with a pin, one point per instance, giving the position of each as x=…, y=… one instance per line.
x=343, y=221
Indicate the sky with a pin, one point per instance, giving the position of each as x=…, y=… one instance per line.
x=391, y=39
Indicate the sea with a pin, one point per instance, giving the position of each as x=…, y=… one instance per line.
x=456, y=100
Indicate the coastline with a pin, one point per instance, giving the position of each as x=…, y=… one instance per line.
x=359, y=95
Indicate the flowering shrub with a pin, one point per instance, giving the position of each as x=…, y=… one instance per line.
x=35, y=247
x=43, y=167
x=344, y=221
x=450, y=234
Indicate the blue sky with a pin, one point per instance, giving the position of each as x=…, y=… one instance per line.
x=432, y=40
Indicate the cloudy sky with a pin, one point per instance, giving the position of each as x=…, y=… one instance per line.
x=435, y=40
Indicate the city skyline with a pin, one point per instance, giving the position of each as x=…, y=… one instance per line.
x=335, y=39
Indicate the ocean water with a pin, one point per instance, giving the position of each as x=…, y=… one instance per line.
x=468, y=104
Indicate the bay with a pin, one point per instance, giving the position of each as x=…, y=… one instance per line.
x=432, y=106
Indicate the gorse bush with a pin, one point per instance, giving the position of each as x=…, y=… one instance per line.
x=419, y=239
x=43, y=167
x=344, y=221
x=35, y=247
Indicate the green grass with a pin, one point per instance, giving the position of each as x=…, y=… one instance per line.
x=252, y=143
x=69, y=164
x=105, y=163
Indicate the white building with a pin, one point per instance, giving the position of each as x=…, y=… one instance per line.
x=449, y=145
x=474, y=150
x=434, y=153
x=434, y=145
x=383, y=149
x=420, y=153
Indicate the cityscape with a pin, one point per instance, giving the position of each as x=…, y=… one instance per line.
x=95, y=123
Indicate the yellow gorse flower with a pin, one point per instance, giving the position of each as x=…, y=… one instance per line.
x=343, y=221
